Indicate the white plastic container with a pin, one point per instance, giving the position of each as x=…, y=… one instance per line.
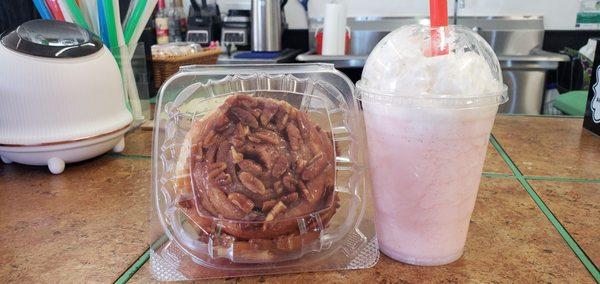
x=61, y=96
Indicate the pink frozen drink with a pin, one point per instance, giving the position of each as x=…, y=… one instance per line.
x=428, y=120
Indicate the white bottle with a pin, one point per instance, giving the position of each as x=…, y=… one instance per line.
x=334, y=29
x=295, y=15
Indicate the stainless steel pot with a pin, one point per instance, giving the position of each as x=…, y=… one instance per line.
x=266, y=25
x=525, y=76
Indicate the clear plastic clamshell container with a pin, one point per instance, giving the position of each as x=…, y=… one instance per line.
x=219, y=194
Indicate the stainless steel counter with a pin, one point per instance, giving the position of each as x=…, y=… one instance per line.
x=516, y=41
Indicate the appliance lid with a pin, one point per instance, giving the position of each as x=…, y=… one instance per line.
x=52, y=39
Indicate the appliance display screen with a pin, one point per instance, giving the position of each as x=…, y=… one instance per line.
x=234, y=37
x=198, y=36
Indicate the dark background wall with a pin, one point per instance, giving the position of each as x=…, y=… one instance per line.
x=569, y=75
x=15, y=12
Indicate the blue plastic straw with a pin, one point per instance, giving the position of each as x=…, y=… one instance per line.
x=102, y=23
x=42, y=9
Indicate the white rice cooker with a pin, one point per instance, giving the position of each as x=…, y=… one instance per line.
x=61, y=96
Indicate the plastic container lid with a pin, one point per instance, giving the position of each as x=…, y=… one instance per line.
x=401, y=69
x=196, y=93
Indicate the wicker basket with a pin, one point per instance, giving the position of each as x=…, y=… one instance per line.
x=166, y=66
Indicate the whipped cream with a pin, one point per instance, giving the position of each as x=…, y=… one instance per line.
x=399, y=66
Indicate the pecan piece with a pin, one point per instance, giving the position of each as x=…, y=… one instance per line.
x=281, y=119
x=241, y=130
x=236, y=157
x=252, y=183
x=223, y=179
x=280, y=166
x=252, y=137
x=267, y=205
x=278, y=186
x=317, y=188
x=268, y=112
x=209, y=139
x=250, y=166
x=300, y=165
x=215, y=169
x=263, y=153
x=278, y=208
x=271, y=126
x=315, y=167
x=222, y=123
x=267, y=136
x=294, y=137
x=211, y=152
x=314, y=147
x=196, y=152
x=186, y=202
x=288, y=182
x=315, y=142
x=290, y=197
x=239, y=136
x=284, y=107
x=245, y=117
x=305, y=192
x=255, y=111
x=241, y=201
x=247, y=101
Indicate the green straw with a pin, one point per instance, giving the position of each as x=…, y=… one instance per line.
x=109, y=11
x=76, y=13
x=134, y=21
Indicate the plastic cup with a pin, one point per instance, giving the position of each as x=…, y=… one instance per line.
x=428, y=121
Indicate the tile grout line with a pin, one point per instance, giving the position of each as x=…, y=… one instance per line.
x=573, y=245
x=132, y=156
x=133, y=269
x=563, y=179
x=497, y=175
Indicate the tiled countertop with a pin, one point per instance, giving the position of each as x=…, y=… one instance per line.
x=536, y=217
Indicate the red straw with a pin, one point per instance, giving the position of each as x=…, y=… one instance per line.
x=438, y=13
x=55, y=9
x=438, y=17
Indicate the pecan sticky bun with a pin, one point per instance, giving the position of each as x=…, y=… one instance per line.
x=257, y=165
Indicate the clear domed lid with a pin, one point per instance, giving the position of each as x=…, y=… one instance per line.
x=418, y=61
x=52, y=39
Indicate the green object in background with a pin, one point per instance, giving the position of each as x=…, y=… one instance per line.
x=76, y=13
x=588, y=18
x=132, y=24
x=572, y=103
